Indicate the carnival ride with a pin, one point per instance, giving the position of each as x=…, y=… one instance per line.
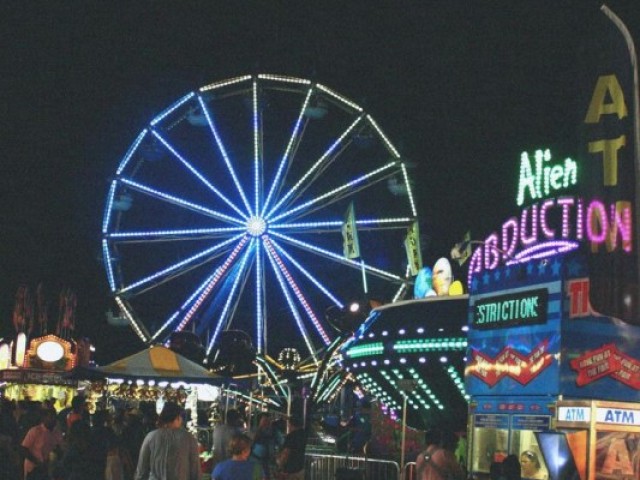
x=228, y=209
x=410, y=355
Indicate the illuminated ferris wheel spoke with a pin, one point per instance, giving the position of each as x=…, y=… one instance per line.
x=216, y=278
x=198, y=175
x=137, y=326
x=225, y=317
x=292, y=307
x=276, y=185
x=336, y=225
x=339, y=258
x=257, y=154
x=400, y=292
x=360, y=181
x=205, y=255
x=320, y=162
x=307, y=274
x=223, y=152
x=260, y=308
x=180, y=201
x=171, y=235
x=296, y=290
x=186, y=304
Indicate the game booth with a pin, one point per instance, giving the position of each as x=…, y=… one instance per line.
x=41, y=368
x=553, y=361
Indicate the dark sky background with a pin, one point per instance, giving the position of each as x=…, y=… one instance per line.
x=461, y=88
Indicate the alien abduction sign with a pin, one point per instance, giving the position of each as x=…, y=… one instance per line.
x=586, y=202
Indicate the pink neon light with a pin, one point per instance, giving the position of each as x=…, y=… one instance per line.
x=475, y=264
x=217, y=276
x=622, y=220
x=566, y=203
x=543, y=250
x=297, y=291
x=596, y=217
x=548, y=232
x=580, y=220
x=595, y=221
x=533, y=236
x=491, y=253
x=509, y=236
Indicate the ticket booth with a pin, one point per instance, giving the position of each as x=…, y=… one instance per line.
x=551, y=382
x=503, y=425
x=513, y=369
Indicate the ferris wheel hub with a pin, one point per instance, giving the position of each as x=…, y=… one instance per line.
x=256, y=226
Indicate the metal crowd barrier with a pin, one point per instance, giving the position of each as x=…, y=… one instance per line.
x=324, y=467
x=409, y=471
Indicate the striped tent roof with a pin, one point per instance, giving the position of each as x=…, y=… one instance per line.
x=158, y=362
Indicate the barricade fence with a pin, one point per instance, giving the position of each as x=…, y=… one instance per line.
x=409, y=471
x=324, y=467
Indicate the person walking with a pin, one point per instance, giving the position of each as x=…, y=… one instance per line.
x=83, y=458
x=223, y=433
x=263, y=446
x=291, y=457
x=169, y=452
x=39, y=442
x=437, y=461
x=239, y=466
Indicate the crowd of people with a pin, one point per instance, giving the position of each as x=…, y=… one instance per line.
x=41, y=442
x=38, y=442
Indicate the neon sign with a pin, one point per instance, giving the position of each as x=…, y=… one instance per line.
x=529, y=307
x=539, y=179
x=554, y=226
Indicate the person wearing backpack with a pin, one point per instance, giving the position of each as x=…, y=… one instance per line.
x=437, y=461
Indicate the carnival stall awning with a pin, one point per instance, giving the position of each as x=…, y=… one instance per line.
x=158, y=363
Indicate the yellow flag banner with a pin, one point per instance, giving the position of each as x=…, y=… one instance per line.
x=350, y=243
x=412, y=245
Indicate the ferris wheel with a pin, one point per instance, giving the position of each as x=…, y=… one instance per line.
x=227, y=212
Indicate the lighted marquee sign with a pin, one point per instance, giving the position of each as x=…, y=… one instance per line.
x=522, y=308
x=50, y=351
x=551, y=226
x=539, y=179
x=523, y=367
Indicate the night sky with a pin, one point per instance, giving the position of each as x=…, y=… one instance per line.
x=460, y=87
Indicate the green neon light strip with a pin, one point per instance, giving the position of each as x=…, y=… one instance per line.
x=424, y=386
x=374, y=348
x=430, y=345
x=329, y=390
x=458, y=381
x=378, y=391
x=420, y=401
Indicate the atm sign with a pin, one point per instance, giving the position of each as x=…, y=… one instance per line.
x=574, y=414
x=618, y=416
x=611, y=416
